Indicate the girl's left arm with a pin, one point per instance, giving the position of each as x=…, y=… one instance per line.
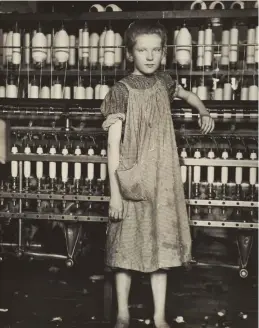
x=205, y=120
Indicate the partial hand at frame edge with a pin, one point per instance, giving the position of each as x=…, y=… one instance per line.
x=206, y=123
x=116, y=208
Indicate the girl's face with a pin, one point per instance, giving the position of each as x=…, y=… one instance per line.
x=147, y=54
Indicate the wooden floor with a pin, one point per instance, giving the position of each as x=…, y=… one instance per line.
x=46, y=294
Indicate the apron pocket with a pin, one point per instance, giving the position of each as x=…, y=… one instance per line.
x=130, y=182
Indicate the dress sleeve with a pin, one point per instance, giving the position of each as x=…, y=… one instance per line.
x=114, y=105
x=171, y=85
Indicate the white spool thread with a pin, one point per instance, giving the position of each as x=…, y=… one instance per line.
x=183, y=167
x=90, y=166
x=218, y=94
x=77, y=166
x=52, y=165
x=236, y=4
x=4, y=49
x=34, y=92
x=9, y=44
x=253, y=170
x=244, y=93
x=74, y=91
x=45, y=92
x=61, y=46
x=200, y=51
x=11, y=91
x=2, y=91
x=239, y=170
x=198, y=3
x=85, y=42
x=101, y=47
x=57, y=91
x=239, y=175
x=250, y=49
x=253, y=92
x=227, y=93
x=104, y=89
x=224, y=174
x=97, y=91
x=67, y=92
x=94, y=41
x=225, y=49
x=89, y=93
x=197, y=169
x=202, y=92
x=97, y=7
x=39, y=164
x=109, y=51
x=211, y=169
x=27, y=52
x=16, y=54
x=216, y=3
x=208, y=47
x=112, y=7
x=183, y=47
x=194, y=90
x=256, y=44
x=14, y=164
x=80, y=44
x=39, y=47
x=72, y=50
x=64, y=167
x=103, y=166
x=29, y=90
x=118, y=50
x=224, y=169
x=233, y=55
x=52, y=92
x=27, y=164
x=80, y=92
x=174, y=50
x=49, y=44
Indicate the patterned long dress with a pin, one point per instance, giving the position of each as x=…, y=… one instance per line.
x=154, y=233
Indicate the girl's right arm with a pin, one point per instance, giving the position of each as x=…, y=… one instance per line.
x=114, y=138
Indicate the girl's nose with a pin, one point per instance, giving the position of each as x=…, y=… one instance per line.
x=150, y=55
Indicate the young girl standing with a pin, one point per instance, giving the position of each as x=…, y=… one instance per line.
x=148, y=230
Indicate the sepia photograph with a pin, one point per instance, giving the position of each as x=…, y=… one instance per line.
x=129, y=164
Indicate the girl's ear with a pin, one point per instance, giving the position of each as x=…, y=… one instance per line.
x=129, y=56
x=164, y=52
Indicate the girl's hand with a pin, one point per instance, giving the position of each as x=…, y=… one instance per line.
x=116, y=208
x=206, y=123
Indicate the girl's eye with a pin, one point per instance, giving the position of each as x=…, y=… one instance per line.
x=158, y=49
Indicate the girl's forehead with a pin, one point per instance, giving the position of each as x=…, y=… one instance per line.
x=151, y=40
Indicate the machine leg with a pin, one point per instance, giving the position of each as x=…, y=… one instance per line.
x=72, y=234
x=244, y=245
x=108, y=296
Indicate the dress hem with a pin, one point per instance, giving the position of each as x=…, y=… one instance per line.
x=158, y=267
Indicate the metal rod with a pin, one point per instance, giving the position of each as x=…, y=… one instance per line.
x=223, y=224
x=17, y=245
x=224, y=265
x=124, y=15
x=20, y=207
x=46, y=255
x=189, y=188
x=102, y=159
x=55, y=196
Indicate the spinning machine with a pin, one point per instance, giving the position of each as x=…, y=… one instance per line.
x=53, y=79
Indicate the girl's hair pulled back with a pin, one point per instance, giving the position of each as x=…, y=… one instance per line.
x=143, y=27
